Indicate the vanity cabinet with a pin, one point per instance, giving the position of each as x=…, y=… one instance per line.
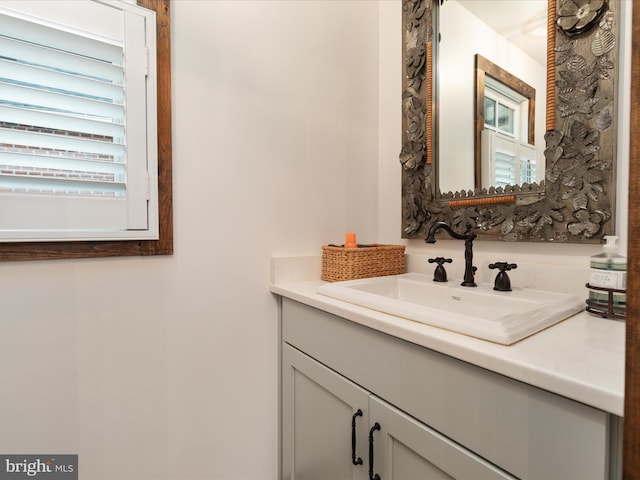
x=438, y=417
x=333, y=429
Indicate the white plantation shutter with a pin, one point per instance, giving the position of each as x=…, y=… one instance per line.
x=508, y=161
x=77, y=124
x=528, y=168
x=504, y=168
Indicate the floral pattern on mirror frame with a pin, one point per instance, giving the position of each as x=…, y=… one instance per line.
x=573, y=203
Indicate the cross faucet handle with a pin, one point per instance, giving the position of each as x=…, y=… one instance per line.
x=502, y=282
x=440, y=274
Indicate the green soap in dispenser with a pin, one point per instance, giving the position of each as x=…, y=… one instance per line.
x=608, y=270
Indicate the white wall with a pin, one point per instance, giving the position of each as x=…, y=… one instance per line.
x=166, y=368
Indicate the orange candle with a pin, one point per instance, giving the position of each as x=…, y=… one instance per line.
x=350, y=240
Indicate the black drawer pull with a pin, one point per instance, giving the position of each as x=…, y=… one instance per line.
x=372, y=476
x=354, y=460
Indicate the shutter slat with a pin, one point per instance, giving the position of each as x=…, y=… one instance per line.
x=63, y=143
x=42, y=162
x=25, y=116
x=40, y=34
x=52, y=101
x=57, y=59
x=44, y=185
x=55, y=81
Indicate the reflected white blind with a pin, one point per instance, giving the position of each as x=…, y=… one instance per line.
x=62, y=112
x=505, y=169
x=527, y=170
x=506, y=161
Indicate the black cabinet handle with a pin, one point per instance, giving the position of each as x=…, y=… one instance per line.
x=372, y=476
x=354, y=460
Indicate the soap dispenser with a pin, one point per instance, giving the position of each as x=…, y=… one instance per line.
x=608, y=281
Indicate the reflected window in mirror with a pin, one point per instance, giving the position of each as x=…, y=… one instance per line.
x=505, y=110
x=507, y=149
x=507, y=158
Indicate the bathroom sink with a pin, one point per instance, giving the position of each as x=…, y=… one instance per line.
x=501, y=317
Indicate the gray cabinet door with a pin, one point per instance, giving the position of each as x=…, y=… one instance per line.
x=317, y=411
x=318, y=407
x=405, y=449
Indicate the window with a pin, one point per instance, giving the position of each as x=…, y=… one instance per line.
x=499, y=116
x=77, y=123
x=505, y=110
x=160, y=175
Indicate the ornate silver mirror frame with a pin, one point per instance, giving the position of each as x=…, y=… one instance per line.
x=575, y=201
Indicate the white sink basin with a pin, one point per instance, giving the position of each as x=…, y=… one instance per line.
x=501, y=317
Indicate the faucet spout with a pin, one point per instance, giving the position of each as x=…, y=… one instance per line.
x=445, y=226
x=468, y=236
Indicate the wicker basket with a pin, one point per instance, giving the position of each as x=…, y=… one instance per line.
x=374, y=260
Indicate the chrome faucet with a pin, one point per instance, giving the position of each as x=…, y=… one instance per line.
x=468, y=236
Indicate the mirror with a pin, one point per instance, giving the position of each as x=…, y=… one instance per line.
x=488, y=82
x=572, y=202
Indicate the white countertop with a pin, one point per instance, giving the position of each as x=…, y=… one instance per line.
x=581, y=358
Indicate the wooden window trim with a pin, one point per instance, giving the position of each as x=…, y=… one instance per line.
x=14, y=251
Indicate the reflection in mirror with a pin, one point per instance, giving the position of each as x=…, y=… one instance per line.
x=574, y=202
x=506, y=151
x=510, y=40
